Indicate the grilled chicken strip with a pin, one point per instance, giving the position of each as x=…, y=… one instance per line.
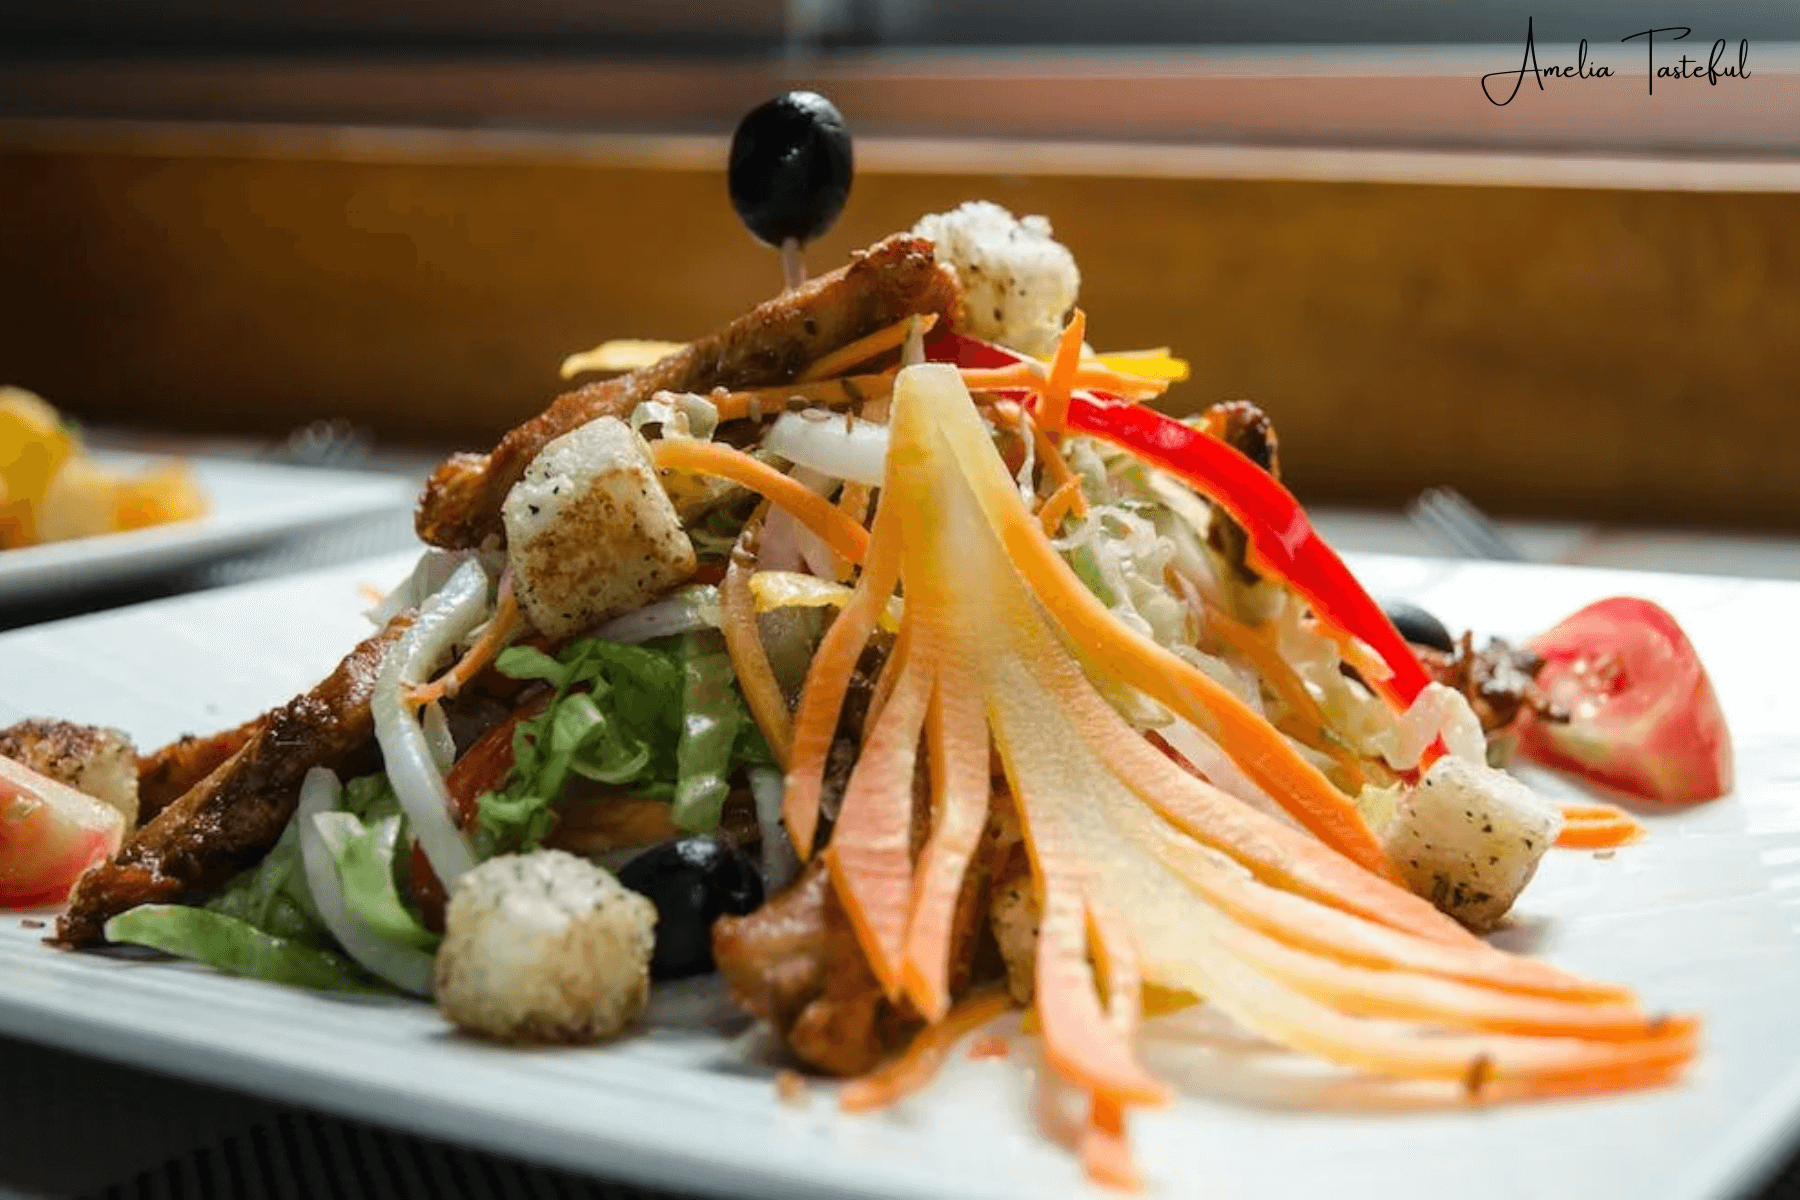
x=165, y=775
x=230, y=819
x=771, y=344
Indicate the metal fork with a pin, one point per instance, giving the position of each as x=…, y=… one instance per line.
x=328, y=443
x=1449, y=518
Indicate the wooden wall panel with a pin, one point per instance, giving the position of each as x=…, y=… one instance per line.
x=1607, y=352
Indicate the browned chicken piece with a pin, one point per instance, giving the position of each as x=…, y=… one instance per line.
x=165, y=775
x=98, y=761
x=1499, y=680
x=1013, y=917
x=771, y=344
x=230, y=819
x=795, y=963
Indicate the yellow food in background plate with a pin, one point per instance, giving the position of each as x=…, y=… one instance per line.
x=51, y=490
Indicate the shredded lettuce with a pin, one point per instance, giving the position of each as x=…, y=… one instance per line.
x=663, y=718
x=265, y=923
x=236, y=946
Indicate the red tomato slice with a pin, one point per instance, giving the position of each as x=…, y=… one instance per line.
x=49, y=835
x=1643, y=716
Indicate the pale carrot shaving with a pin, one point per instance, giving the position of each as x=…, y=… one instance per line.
x=749, y=657
x=1058, y=506
x=992, y=1045
x=1080, y=1041
x=828, y=678
x=499, y=632
x=812, y=510
x=921, y=1060
x=1260, y=750
x=890, y=673
x=1115, y=962
x=1106, y=1150
x=863, y=349
x=371, y=593
x=1059, y=385
x=956, y=734
x=1153, y=887
x=870, y=853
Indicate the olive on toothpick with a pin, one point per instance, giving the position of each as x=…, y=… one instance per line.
x=789, y=173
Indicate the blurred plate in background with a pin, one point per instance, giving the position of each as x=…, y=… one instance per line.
x=253, y=505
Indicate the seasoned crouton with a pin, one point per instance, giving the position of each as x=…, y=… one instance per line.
x=590, y=532
x=1018, y=282
x=99, y=762
x=1469, y=838
x=545, y=947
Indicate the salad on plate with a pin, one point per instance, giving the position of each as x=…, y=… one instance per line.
x=889, y=653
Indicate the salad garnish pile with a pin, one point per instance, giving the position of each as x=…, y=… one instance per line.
x=886, y=653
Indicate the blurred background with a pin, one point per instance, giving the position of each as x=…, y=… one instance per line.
x=228, y=218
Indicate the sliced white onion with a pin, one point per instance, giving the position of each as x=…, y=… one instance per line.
x=842, y=447
x=428, y=576
x=438, y=737
x=406, y=752
x=779, y=547
x=813, y=551
x=691, y=608
x=779, y=862
x=322, y=840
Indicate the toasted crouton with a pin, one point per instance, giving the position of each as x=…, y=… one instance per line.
x=99, y=762
x=590, y=532
x=1469, y=838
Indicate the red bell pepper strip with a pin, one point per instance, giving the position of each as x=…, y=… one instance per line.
x=1283, y=542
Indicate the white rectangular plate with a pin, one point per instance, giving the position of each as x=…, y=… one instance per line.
x=252, y=504
x=1699, y=918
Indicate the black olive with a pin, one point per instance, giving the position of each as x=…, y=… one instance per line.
x=790, y=167
x=1418, y=626
x=692, y=882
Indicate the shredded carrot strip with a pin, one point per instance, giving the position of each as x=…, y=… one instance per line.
x=1053, y=409
x=863, y=349
x=1090, y=375
x=920, y=1062
x=1106, y=1150
x=870, y=853
x=749, y=657
x=1058, y=506
x=828, y=678
x=1596, y=826
x=501, y=628
x=843, y=535
x=1599, y=835
x=762, y=402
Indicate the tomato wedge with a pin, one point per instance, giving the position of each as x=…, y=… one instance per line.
x=49, y=835
x=1643, y=717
